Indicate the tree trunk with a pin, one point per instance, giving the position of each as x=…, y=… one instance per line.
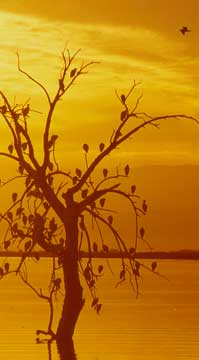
x=73, y=300
x=66, y=350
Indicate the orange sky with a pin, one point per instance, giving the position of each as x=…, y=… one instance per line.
x=133, y=40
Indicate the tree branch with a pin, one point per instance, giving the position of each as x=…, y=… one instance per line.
x=94, y=196
x=151, y=122
x=10, y=156
x=32, y=79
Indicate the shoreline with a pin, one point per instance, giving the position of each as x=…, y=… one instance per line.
x=181, y=255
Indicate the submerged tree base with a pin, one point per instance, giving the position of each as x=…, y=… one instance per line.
x=66, y=350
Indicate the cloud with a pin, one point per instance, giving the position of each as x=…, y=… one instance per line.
x=125, y=53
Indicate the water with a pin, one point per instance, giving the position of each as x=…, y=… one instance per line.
x=162, y=324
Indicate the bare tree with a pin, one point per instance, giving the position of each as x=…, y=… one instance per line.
x=58, y=210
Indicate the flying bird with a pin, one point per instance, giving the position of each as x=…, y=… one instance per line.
x=184, y=30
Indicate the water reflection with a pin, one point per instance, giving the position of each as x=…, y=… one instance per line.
x=49, y=350
x=164, y=318
x=65, y=350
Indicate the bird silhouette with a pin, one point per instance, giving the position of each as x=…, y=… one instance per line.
x=184, y=30
x=144, y=206
x=153, y=265
x=26, y=110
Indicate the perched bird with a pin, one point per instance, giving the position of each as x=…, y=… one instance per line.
x=144, y=206
x=3, y=109
x=184, y=30
x=153, y=265
x=26, y=110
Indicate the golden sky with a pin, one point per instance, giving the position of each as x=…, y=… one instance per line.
x=132, y=40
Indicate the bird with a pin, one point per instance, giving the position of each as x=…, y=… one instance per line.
x=3, y=109
x=144, y=206
x=26, y=110
x=153, y=265
x=184, y=30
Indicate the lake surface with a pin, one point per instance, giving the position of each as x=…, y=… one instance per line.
x=162, y=324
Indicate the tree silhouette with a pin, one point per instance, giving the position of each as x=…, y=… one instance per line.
x=58, y=211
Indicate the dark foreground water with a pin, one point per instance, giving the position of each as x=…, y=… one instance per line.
x=162, y=324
